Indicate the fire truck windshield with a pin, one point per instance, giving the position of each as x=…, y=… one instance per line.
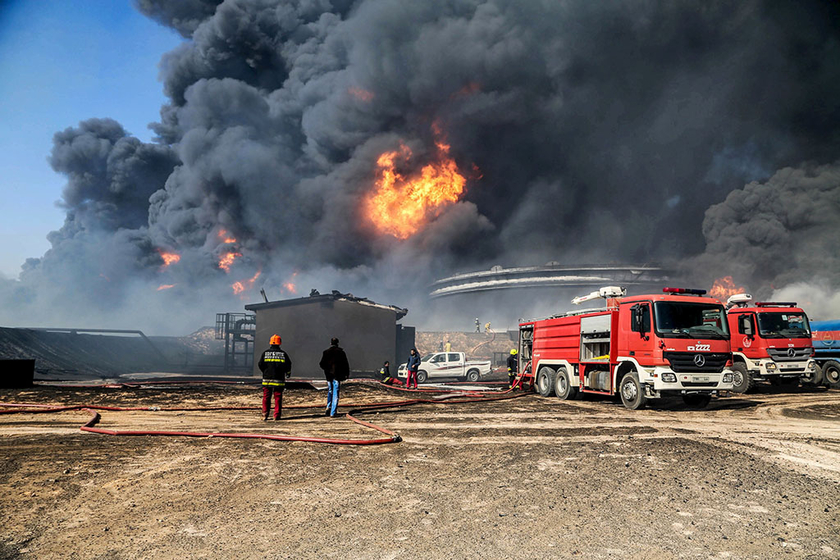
x=689, y=320
x=783, y=325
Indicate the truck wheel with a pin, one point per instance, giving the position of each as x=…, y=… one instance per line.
x=473, y=375
x=813, y=378
x=831, y=373
x=696, y=400
x=632, y=392
x=545, y=381
x=742, y=380
x=422, y=376
x=562, y=388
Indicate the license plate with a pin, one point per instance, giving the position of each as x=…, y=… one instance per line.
x=701, y=379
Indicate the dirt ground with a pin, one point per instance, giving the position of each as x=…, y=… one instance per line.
x=755, y=476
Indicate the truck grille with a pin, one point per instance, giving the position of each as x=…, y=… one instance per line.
x=685, y=361
x=789, y=354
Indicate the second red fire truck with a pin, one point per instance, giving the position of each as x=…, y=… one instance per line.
x=770, y=341
x=639, y=347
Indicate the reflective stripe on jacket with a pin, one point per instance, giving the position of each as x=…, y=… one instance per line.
x=274, y=365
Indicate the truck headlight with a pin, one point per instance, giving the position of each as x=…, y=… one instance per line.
x=771, y=367
x=669, y=377
x=727, y=378
x=812, y=366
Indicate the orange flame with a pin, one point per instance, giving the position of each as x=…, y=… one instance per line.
x=239, y=287
x=168, y=258
x=725, y=287
x=289, y=286
x=402, y=205
x=226, y=260
x=165, y=287
x=223, y=235
x=361, y=94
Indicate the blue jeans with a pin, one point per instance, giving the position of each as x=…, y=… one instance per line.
x=332, y=396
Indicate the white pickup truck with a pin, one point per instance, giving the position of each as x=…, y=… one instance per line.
x=448, y=364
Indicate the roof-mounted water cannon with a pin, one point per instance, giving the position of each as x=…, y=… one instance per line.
x=739, y=300
x=606, y=292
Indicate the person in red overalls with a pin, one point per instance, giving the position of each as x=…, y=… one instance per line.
x=276, y=366
x=411, y=368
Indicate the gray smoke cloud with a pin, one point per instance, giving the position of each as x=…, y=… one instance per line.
x=589, y=132
x=779, y=237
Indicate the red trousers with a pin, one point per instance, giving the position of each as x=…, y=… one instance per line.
x=411, y=375
x=278, y=400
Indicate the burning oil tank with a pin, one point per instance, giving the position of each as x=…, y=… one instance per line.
x=551, y=275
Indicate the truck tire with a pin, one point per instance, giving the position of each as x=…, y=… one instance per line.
x=545, y=381
x=696, y=400
x=562, y=388
x=632, y=392
x=742, y=380
x=422, y=376
x=473, y=375
x=831, y=373
x=813, y=378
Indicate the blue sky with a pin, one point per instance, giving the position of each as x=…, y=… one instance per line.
x=61, y=63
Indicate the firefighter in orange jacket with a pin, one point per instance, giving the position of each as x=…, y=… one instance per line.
x=276, y=366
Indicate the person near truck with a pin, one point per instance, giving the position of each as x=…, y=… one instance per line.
x=385, y=375
x=275, y=365
x=512, y=367
x=411, y=368
x=336, y=369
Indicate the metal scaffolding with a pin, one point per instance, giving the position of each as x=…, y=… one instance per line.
x=237, y=330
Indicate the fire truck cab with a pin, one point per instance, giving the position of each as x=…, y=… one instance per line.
x=639, y=347
x=770, y=341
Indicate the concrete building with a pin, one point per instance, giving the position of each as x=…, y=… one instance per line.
x=367, y=331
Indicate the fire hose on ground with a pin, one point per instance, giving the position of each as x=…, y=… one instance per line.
x=458, y=397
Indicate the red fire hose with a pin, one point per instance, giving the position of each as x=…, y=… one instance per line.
x=451, y=397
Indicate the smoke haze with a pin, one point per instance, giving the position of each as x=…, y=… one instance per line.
x=704, y=136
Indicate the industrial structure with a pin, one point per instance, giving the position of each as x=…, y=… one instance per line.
x=368, y=331
x=237, y=330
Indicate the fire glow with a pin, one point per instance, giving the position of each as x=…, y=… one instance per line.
x=725, y=287
x=361, y=94
x=165, y=287
x=168, y=258
x=226, y=260
x=239, y=287
x=289, y=286
x=401, y=205
x=223, y=235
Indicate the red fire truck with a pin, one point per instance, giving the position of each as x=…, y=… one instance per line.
x=640, y=347
x=771, y=341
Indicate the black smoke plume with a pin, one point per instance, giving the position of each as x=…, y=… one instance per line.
x=598, y=131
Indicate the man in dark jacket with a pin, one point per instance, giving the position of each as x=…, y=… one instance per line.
x=275, y=366
x=336, y=369
x=411, y=368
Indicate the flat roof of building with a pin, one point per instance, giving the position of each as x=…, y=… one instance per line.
x=316, y=297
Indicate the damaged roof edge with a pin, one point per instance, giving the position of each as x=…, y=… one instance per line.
x=316, y=296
